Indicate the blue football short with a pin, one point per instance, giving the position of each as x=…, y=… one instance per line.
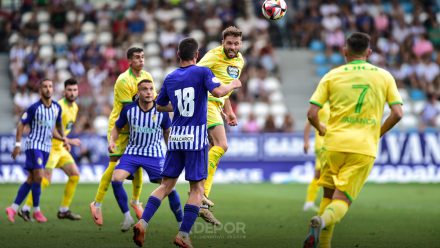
x=131, y=163
x=35, y=159
x=194, y=162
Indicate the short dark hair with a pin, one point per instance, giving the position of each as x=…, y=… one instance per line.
x=188, y=49
x=43, y=80
x=132, y=51
x=144, y=81
x=231, y=31
x=70, y=81
x=358, y=43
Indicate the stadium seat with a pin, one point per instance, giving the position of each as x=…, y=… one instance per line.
x=43, y=16
x=214, y=44
x=43, y=27
x=157, y=74
x=89, y=37
x=417, y=95
x=260, y=109
x=244, y=109
x=46, y=53
x=197, y=34
x=317, y=46
x=63, y=75
x=179, y=25
x=105, y=38
x=71, y=16
x=153, y=62
x=404, y=94
x=276, y=97
x=278, y=109
x=322, y=70
x=336, y=59
x=407, y=108
x=149, y=37
x=260, y=121
x=418, y=106
x=60, y=39
x=320, y=59
x=26, y=17
x=279, y=119
x=45, y=39
x=409, y=121
x=62, y=64
x=152, y=49
x=13, y=38
x=272, y=84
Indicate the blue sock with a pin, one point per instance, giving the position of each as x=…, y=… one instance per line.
x=189, y=217
x=175, y=206
x=36, y=192
x=150, y=208
x=23, y=191
x=121, y=196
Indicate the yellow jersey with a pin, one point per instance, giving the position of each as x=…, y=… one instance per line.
x=68, y=117
x=357, y=93
x=124, y=92
x=223, y=68
x=324, y=115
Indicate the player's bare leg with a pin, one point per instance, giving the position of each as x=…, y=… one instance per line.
x=72, y=172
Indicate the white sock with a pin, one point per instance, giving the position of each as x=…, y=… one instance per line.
x=143, y=223
x=135, y=202
x=98, y=204
x=26, y=208
x=179, y=224
x=63, y=209
x=127, y=215
x=15, y=206
x=37, y=209
x=184, y=234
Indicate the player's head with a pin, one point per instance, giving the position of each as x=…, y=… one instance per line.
x=146, y=91
x=357, y=45
x=188, y=49
x=135, y=56
x=231, y=41
x=71, y=89
x=46, y=88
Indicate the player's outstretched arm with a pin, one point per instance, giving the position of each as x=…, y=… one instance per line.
x=224, y=89
x=18, y=135
x=230, y=116
x=168, y=108
x=394, y=117
x=307, y=129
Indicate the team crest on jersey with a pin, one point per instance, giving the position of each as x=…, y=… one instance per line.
x=154, y=117
x=69, y=125
x=24, y=116
x=233, y=71
x=39, y=161
x=55, y=112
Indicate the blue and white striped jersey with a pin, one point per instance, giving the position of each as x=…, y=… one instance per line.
x=187, y=89
x=41, y=120
x=146, y=130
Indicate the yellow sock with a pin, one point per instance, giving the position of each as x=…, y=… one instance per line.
x=105, y=182
x=324, y=203
x=334, y=212
x=137, y=184
x=69, y=191
x=214, y=155
x=325, y=239
x=29, y=201
x=312, y=190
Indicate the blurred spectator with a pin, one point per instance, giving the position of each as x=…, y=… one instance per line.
x=430, y=112
x=288, y=124
x=251, y=125
x=269, y=124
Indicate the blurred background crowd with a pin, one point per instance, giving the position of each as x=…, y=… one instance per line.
x=88, y=40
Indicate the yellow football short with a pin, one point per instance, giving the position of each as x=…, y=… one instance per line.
x=319, y=158
x=214, y=114
x=121, y=144
x=346, y=172
x=58, y=158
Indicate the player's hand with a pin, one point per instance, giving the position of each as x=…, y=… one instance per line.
x=111, y=147
x=306, y=147
x=322, y=129
x=15, y=152
x=236, y=83
x=74, y=142
x=67, y=145
x=231, y=119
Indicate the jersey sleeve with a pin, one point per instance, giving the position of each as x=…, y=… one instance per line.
x=393, y=95
x=122, y=94
x=28, y=116
x=166, y=122
x=122, y=119
x=163, y=98
x=210, y=81
x=208, y=60
x=320, y=96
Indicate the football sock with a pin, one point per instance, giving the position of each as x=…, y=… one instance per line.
x=36, y=192
x=150, y=208
x=121, y=196
x=214, y=155
x=137, y=184
x=105, y=182
x=175, y=205
x=334, y=212
x=189, y=217
x=325, y=239
x=324, y=203
x=29, y=202
x=15, y=206
x=69, y=191
x=312, y=190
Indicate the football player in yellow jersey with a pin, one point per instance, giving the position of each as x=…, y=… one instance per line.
x=357, y=93
x=312, y=190
x=226, y=62
x=60, y=157
x=124, y=92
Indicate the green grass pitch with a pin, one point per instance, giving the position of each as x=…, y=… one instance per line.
x=254, y=215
